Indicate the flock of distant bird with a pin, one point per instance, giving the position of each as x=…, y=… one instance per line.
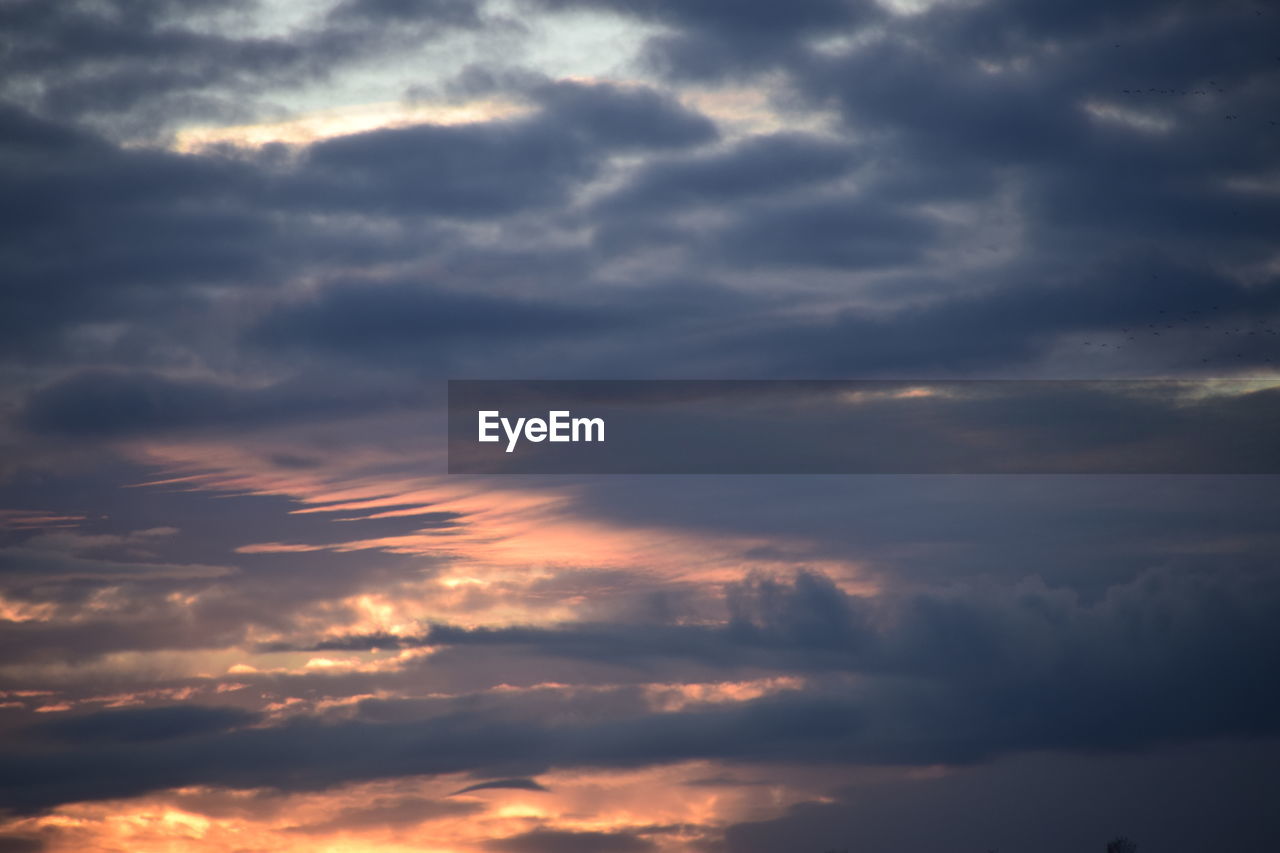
x=1202, y=321
x=1193, y=321
x=1214, y=89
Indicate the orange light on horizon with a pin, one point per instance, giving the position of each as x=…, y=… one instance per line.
x=419, y=813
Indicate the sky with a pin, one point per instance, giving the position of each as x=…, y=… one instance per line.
x=243, y=607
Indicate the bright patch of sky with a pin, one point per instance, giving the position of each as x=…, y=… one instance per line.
x=375, y=92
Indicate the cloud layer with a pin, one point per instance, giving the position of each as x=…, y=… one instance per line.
x=244, y=247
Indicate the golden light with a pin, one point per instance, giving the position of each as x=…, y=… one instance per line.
x=340, y=121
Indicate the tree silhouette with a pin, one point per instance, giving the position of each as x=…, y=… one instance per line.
x=1121, y=845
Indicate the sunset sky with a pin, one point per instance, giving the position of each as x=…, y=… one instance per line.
x=243, y=607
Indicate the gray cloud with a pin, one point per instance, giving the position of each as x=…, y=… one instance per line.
x=559, y=841
x=1182, y=801
x=502, y=784
x=406, y=318
x=144, y=724
x=946, y=677
x=758, y=166
x=20, y=844
x=145, y=65
x=99, y=403
x=717, y=38
x=842, y=233
x=388, y=811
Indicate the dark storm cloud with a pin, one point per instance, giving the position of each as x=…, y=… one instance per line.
x=1110, y=215
x=307, y=756
x=1014, y=322
x=1107, y=210
x=1184, y=800
x=405, y=327
x=1025, y=667
x=144, y=724
x=494, y=168
x=481, y=170
x=146, y=63
x=1131, y=221
x=757, y=166
x=380, y=320
x=502, y=784
x=138, y=53
x=1099, y=177
x=620, y=117
x=111, y=404
x=162, y=628
x=917, y=91
x=98, y=233
x=31, y=566
x=1118, y=224
x=840, y=233
x=1079, y=533
x=897, y=87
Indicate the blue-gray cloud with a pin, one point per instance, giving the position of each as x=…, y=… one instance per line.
x=502, y=784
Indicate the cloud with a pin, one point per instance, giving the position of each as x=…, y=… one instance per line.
x=304, y=755
x=956, y=677
x=20, y=844
x=630, y=117
x=99, y=403
x=494, y=168
x=760, y=165
x=458, y=13
x=480, y=170
x=112, y=404
x=388, y=811
x=140, y=238
x=35, y=565
x=1181, y=801
x=842, y=233
x=1125, y=188
x=711, y=39
x=144, y=724
x=561, y=841
x=155, y=231
x=502, y=784
x=146, y=65
x=987, y=330
x=405, y=318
